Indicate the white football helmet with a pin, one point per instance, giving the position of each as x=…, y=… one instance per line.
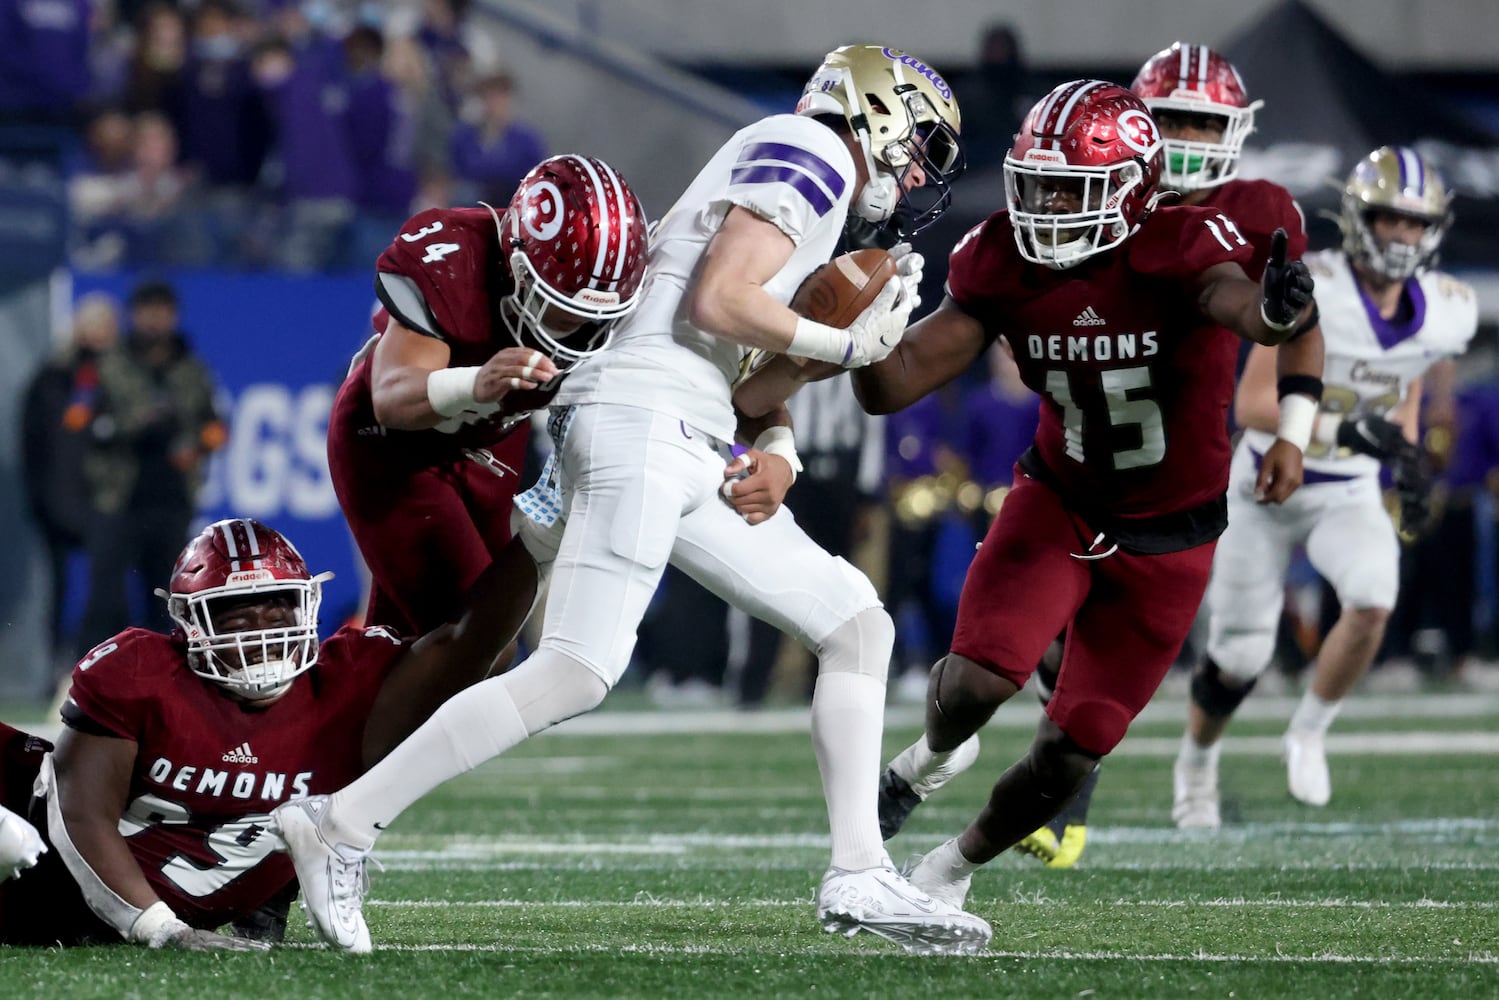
x=1400, y=180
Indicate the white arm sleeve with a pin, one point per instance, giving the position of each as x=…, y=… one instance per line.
x=106, y=904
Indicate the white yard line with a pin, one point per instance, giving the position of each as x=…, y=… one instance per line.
x=778, y=948
x=649, y=902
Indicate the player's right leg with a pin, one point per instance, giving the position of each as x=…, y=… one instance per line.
x=1060, y=843
x=1021, y=590
x=776, y=573
x=1244, y=600
x=623, y=469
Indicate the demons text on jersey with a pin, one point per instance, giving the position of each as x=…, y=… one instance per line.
x=268, y=786
x=1091, y=347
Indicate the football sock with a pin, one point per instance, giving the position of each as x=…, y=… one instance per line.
x=1313, y=714
x=848, y=720
x=468, y=729
x=1194, y=754
x=948, y=860
x=925, y=770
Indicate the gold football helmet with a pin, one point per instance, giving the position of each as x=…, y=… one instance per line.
x=903, y=113
x=1400, y=180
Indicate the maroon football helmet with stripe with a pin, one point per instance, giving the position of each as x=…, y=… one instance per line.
x=576, y=240
x=1195, y=80
x=236, y=562
x=1082, y=174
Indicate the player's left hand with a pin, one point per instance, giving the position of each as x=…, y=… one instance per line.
x=1413, y=473
x=910, y=266
x=1280, y=473
x=755, y=484
x=1285, y=288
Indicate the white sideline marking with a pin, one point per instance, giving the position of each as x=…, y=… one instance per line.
x=723, y=904
x=777, y=947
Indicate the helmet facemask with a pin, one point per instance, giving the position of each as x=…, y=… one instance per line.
x=524, y=313
x=1193, y=165
x=254, y=664
x=1400, y=181
x=1063, y=240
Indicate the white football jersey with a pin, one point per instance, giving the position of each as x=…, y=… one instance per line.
x=791, y=170
x=1372, y=361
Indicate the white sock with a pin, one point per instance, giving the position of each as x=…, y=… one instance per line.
x=468, y=729
x=1313, y=714
x=848, y=720
x=1194, y=754
x=948, y=861
x=926, y=770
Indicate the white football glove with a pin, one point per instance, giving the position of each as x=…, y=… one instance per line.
x=878, y=329
x=20, y=845
x=909, y=265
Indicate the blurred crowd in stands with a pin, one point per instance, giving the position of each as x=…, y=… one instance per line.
x=261, y=133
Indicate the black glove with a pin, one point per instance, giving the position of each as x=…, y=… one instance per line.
x=1411, y=467
x=1286, y=286
x=1374, y=436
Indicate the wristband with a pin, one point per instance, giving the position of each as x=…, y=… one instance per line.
x=780, y=441
x=1279, y=327
x=156, y=925
x=451, y=390
x=1297, y=415
x=1307, y=385
x=820, y=342
x=1312, y=319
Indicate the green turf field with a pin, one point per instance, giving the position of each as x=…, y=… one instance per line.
x=615, y=859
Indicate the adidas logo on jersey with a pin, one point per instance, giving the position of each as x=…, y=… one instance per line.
x=242, y=754
x=1089, y=318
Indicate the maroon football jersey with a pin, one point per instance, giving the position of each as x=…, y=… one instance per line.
x=1256, y=209
x=1135, y=382
x=209, y=768
x=455, y=262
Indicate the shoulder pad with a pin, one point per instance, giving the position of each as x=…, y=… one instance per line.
x=400, y=295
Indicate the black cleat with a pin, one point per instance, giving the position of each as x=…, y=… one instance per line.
x=897, y=801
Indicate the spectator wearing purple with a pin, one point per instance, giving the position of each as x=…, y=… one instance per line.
x=381, y=134
x=44, y=69
x=1002, y=418
x=493, y=152
x=305, y=89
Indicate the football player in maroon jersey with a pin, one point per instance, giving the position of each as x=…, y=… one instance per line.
x=482, y=313
x=176, y=747
x=1198, y=100
x=1123, y=316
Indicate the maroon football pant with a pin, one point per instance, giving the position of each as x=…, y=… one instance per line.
x=44, y=905
x=427, y=529
x=1126, y=616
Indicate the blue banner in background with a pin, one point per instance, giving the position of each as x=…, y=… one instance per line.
x=279, y=346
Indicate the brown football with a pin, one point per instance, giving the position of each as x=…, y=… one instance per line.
x=837, y=292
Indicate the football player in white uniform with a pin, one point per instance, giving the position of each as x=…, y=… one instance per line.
x=643, y=433
x=1386, y=320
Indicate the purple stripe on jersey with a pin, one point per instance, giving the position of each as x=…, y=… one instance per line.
x=779, y=152
x=1407, y=322
x=803, y=184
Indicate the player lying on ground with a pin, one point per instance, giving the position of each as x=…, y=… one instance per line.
x=155, y=799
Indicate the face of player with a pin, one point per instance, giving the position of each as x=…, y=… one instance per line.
x=1393, y=227
x=561, y=322
x=251, y=613
x=1190, y=127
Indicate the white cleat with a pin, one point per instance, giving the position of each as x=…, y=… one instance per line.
x=20, y=845
x=928, y=877
x=1194, y=803
x=332, y=874
x=881, y=901
x=1306, y=767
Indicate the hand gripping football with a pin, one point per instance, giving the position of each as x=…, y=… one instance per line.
x=836, y=293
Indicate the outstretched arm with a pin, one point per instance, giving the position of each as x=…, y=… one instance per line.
x=932, y=353
x=456, y=655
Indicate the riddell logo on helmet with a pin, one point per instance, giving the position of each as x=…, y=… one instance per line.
x=1044, y=156
x=250, y=576
x=593, y=297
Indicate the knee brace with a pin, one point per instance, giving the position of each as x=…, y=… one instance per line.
x=861, y=645
x=550, y=687
x=1213, y=695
